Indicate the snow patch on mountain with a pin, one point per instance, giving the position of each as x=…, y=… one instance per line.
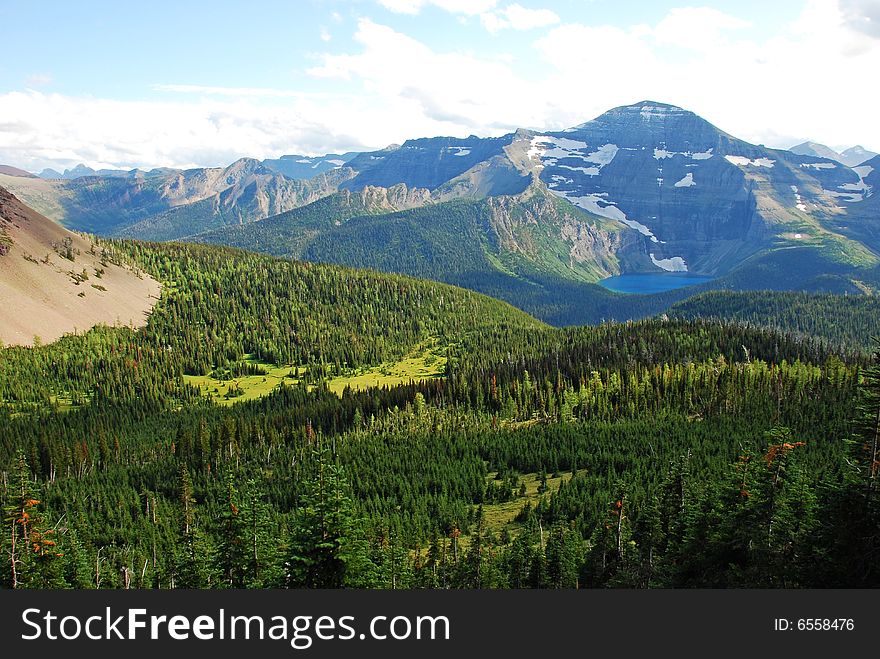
x=861, y=186
x=598, y=205
x=818, y=165
x=558, y=179
x=854, y=192
x=687, y=181
x=862, y=172
x=674, y=264
x=603, y=155
x=663, y=153
x=594, y=203
x=742, y=161
x=589, y=171
x=850, y=197
x=549, y=150
x=546, y=147
x=651, y=112
x=799, y=203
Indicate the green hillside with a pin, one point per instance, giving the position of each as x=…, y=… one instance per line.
x=497, y=464
x=851, y=321
x=289, y=233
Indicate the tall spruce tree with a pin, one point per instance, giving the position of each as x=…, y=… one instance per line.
x=327, y=548
x=33, y=556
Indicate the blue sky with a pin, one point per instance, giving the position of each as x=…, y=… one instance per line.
x=196, y=84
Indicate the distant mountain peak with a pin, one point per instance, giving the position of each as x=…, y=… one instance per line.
x=244, y=162
x=244, y=167
x=817, y=150
x=850, y=157
x=856, y=155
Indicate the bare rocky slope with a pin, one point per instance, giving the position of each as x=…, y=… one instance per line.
x=54, y=282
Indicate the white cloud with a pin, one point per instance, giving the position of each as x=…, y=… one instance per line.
x=413, y=7
x=458, y=93
x=403, y=6
x=325, y=35
x=517, y=17
x=812, y=79
x=699, y=28
x=862, y=15
x=39, y=130
x=256, y=92
x=493, y=22
x=596, y=68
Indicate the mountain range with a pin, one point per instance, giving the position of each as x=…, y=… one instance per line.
x=536, y=218
x=291, y=166
x=855, y=155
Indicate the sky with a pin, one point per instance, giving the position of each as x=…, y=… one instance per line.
x=194, y=84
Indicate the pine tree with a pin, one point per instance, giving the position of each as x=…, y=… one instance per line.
x=193, y=556
x=851, y=519
x=327, y=548
x=32, y=551
x=563, y=557
x=867, y=441
x=767, y=513
x=231, y=551
x=263, y=545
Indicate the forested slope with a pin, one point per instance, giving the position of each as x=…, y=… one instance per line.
x=648, y=454
x=846, y=320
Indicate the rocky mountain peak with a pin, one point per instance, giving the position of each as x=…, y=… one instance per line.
x=244, y=167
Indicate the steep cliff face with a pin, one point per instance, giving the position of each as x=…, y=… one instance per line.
x=861, y=220
x=397, y=197
x=432, y=162
x=703, y=200
x=291, y=232
x=552, y=236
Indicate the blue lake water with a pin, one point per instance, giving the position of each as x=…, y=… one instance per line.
x=646, y=283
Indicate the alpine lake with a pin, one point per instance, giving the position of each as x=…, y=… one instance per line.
x=647, y=283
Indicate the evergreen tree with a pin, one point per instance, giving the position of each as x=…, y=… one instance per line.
x=231, y=545
x=31, y=546
x=563, y=557
x=327, y=548
x=194, y=554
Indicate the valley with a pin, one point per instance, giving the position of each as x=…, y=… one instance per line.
x=534, y=218
x=636, y=353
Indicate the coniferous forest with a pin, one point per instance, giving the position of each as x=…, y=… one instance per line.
x=669, y=452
